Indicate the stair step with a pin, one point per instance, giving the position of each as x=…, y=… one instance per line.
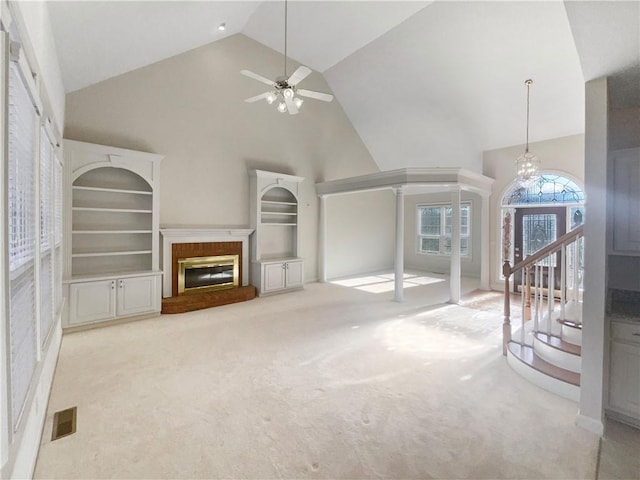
x=559, y=344
x=527, y=356
x=571, y=324
x=571, y=332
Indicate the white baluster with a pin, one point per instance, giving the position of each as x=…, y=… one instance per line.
x=523, y=294
x=536, y=320
x=563, y=279
x=576, y=285
x=550, y=295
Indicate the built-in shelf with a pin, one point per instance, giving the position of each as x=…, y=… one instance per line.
x=110, y=254
x=111, y=190
x=280, y=224
x=279, y=213
x=102, y=209
x=108, y=232
x=277, y=202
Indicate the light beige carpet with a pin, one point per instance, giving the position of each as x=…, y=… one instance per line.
x=329, y=382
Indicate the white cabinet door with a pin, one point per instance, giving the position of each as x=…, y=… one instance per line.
x=626, y=191
x=273, y=277
x=92, y=301
x=624, y=380
x=294, y=274
x=137, y=295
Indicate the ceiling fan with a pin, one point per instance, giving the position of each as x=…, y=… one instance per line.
x=285, y=89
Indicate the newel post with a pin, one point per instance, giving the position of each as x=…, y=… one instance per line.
x=506, y=271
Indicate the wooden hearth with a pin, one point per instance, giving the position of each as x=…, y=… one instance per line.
x=203, y=242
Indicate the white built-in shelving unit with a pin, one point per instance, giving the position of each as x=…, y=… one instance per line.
x=275, y=265
x=112, y=269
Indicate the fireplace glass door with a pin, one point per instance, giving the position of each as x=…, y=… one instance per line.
x=202, y=274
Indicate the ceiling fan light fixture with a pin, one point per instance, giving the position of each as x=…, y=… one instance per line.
x=285, y=88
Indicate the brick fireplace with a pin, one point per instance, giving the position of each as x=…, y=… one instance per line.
x=188, y=245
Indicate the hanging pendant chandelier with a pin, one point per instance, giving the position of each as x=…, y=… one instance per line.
x=527, y=164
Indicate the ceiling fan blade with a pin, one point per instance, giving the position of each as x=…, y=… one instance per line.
x=255, y=76
x=291, y=106
x=300, y=74
x=257, y=97
x=325, y=97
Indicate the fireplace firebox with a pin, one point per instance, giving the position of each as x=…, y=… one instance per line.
x=205, y=274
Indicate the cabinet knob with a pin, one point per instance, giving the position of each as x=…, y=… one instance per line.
x=113, y=284
x=121, y=283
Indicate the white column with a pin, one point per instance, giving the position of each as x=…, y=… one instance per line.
x=322, y=240
x=455, y=246
x=399, y=260
x=485, y=249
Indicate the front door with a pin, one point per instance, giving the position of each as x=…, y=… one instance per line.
x=534, y=229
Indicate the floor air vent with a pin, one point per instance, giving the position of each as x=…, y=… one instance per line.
x=64, y=423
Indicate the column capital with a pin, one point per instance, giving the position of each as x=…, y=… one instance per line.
x=399, y=189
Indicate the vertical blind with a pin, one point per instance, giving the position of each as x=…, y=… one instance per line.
x=22, y=240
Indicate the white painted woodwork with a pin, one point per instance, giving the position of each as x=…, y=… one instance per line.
x=197, y=234
x=111, y=200
x=555, y=356
x=485, y=246
x=417, y=180
x=626, y=201
x=111, y=298
x=275, y=243
x=322, y=239
x=137, y=295
x=624, y=369
x=412, y=181
x=92, y=301
x=398, y=292
x=571, y=334
x=455, y=273
x=277, y=276
x=551, y=384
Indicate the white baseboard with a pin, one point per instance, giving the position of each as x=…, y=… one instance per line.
x=26, y=444
x=591, y=424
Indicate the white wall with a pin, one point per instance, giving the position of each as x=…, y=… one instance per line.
x=360, y=233
x=440, y=263
x=563, y=155
x=190, y=109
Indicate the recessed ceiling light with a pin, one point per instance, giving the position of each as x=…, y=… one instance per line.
x=222, y=27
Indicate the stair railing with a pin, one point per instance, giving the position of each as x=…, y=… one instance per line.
x=532, y=289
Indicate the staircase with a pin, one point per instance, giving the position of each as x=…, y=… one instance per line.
x=542, y=337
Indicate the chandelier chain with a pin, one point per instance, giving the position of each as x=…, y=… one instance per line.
x=528, y=84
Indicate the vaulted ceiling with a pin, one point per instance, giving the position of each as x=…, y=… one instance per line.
x=423, y=83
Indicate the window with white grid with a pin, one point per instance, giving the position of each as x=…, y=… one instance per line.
x=46, y=224
x=22, y=240
x=435, y=227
